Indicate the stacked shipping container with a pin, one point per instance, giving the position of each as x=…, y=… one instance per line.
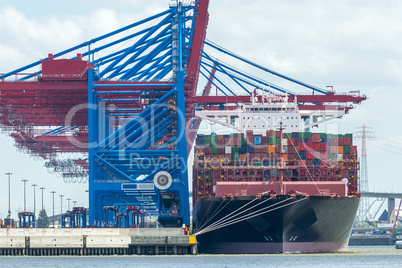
x=304, y=156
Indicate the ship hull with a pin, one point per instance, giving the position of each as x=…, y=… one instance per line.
x=293, y=224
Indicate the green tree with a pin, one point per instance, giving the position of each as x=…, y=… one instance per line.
x=43, y=220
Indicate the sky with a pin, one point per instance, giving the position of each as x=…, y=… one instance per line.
x=352, y=45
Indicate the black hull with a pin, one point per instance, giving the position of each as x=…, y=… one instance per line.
x=317, y=224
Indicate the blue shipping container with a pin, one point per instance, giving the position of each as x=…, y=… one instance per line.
x=242, y=150
x=200, y=141
x=257, y=140
x=250, y=148
x=302, y=154
x=317, y=162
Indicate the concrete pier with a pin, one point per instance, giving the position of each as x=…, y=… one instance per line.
x=95, y=241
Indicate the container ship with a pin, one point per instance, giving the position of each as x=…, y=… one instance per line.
x=273, y=189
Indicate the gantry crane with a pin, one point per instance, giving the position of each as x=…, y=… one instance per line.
x=125, y=102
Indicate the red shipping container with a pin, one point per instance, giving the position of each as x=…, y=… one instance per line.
x=264, y=140
x=323, y=155
x=302, y=163
x=323, y=146
x=235, y=141
x=333, y=141
x=347, y=141
x=207, y=149
x=324, y=163
x=309, y=146
x=292, y=142
x=228, y=141
x=317, y=146
x=353, y=149
x=315, y=137
x=309, y=155
x=291, y=149
x=302, y=147
x=340, y=141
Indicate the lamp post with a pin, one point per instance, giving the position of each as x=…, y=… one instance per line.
x=34, y=186
x=9, y=194
x=74, y=203
x=61, y=204
x=42, y=188
x=25, y=194
x=53, y=192
x=68, y=199
x=61, y=209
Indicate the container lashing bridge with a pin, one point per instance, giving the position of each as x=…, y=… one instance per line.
x=119, y=110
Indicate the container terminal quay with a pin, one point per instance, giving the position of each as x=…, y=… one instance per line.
x=124, y=111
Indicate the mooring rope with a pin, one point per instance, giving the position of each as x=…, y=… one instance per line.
x=217, y=210
x=218, y=221
x=248, y=216
x=229, y=220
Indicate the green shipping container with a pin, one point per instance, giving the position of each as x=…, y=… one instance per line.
x=214, y=140
x=243, y=142
x=214, y=149
x=257, y=163
x=305, y=134
x=235, y=149
x=274, y=140
x=288, y=135
x=333, y=156
x=207, y=140
x=234, y=135
x=271, y=163
x=271, y=140
x=235, y=156
x=323, y=135
x=346, y=149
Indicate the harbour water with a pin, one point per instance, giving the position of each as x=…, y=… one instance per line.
x=378, y=256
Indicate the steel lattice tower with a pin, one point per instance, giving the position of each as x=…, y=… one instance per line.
x=364, y=134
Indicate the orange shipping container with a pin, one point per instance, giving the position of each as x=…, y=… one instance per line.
x=243, y=157
x=340, y=150
x=285, y=157
x=271, y=148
